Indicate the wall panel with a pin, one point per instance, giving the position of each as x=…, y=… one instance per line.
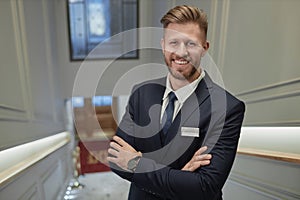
x=31, y=106
x=255, y=45
x=272, y=180
x=51, y=185
x=31, y=194
x=44, y=179
x=11, y=99
x=274, y=104
x=37, y=56
x=258, y=51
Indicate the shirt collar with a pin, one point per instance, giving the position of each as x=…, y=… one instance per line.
x=183, y=93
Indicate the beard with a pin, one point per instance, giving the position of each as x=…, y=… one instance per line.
x=178, y=75
x=184, y=77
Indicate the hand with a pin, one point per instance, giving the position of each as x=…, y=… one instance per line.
x=198, y=160
x=121, y=152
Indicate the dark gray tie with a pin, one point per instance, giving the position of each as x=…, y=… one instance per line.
x=169, y=112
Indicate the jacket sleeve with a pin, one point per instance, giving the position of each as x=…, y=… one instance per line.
x=125, y=128
x=206, y=182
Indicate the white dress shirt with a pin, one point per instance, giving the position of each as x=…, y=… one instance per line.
x=182, y=94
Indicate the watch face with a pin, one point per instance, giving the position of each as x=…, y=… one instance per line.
x=131, y=165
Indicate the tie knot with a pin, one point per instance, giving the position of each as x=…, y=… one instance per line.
x=172, y=97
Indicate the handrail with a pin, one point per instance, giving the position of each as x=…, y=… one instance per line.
x=274, y=155
x=20, y=158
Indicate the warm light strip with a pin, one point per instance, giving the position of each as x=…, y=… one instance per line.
x=281, y=156
x=274, y=139
x=17, y=159
x=276, y=143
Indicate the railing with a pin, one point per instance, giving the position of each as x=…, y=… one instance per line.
x=16, y=160
x=281, y=156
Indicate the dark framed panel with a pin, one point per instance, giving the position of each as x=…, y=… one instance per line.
x=103, y=29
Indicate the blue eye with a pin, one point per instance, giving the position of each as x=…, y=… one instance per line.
x=191, y=44
x=173, y=43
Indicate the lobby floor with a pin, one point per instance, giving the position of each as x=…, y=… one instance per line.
x=99, y=186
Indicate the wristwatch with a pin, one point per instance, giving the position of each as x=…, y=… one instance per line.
x=132, y=164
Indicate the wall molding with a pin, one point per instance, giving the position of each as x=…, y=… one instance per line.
x=223, y=34
x=45, y=179
x=274, y=97
x=11, y=113
x=49, y=58
x=275, y=123
x=213, y=17
x=234, y=181
x=253, y=186
x=270, y=86
x=23, y=58
x=24, y=156
x=273, y=155
x=263, y=188
x=12, y=108
x=30, y=193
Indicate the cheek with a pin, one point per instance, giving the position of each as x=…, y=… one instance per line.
x=196, y=60
x=203, y=52
x=198, y=55
x=167, y=55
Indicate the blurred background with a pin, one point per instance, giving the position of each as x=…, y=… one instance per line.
x=62, y=97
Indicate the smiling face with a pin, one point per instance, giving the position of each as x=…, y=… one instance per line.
x=183, y=46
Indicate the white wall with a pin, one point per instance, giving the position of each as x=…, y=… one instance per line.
x=30, y=103
x=261, y=59
x=264, y=179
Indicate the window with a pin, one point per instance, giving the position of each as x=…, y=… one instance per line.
x=98, y=29
x=102, y=100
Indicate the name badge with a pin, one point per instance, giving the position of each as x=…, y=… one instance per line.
x=190, y=131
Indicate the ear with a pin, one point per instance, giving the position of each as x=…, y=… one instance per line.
x=205, y=47
x=162, y=44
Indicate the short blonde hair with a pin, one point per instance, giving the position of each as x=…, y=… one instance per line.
x=185, y=14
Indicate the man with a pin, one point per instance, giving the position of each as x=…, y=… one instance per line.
x=170, y=122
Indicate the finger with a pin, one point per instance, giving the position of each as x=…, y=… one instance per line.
x=198, y=164
x=112, y=159
x=119, y=140
x=113, y=152
x=203, y=163
x=124, y=145
x=115, y=146
x=201, y=150
x=204, y=157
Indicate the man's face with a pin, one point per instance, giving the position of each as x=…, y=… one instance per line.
x=183, y=46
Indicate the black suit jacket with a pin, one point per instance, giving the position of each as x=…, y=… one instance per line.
x=214, y=115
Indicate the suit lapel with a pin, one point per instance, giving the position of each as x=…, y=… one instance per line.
x=154, y=102
x=195, y=100
x=190, y=105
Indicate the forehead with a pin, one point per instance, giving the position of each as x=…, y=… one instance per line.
x=183, y=31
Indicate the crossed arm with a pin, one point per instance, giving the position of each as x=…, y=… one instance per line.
x=121, y=152
x=193, y=181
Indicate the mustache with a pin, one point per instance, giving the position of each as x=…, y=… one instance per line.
x=177, y=57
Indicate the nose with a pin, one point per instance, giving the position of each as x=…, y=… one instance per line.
x=182, y=50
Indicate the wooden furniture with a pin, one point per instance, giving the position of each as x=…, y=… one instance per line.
x=95, y=126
